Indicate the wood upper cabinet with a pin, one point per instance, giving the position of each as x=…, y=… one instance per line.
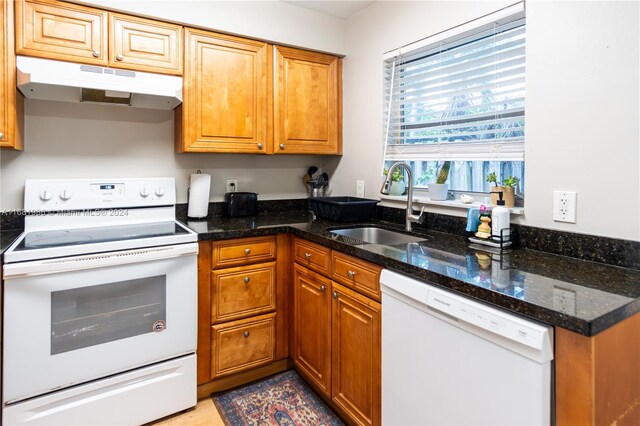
x=307, y=102
x=312, y=327
x=356, y=343
x=144, y=44
x=11, y=101
x=227, y=88
x=70, y=32
x=63, y=31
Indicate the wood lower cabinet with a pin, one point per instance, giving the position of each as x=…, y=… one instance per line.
x=227, y=92
x=312, y=327
x=11, y=100
x=243, y=312
x=307, y=102
x=356, y=355
x=597, y=378
x=69, y=32
x=337, y=341
x=243, y=344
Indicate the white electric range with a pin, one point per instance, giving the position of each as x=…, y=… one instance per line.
x=100, y=305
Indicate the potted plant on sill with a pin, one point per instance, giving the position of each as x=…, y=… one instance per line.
x=438, y=191
x=397, y=182
x=507, y=188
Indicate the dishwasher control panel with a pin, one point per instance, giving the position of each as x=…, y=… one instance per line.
x=481, y=317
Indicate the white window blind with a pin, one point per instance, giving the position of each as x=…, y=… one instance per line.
x=459, y=95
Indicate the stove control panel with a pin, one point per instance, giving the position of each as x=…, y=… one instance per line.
x=99, y=193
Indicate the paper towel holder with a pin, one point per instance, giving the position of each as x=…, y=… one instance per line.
x=203, y=215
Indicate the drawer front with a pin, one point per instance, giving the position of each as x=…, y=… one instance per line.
x=243, y=344
x=357, y=274
x=243, y=251
x=144, y=44
x=313, y=256
x=62, y=31
x=242, y=292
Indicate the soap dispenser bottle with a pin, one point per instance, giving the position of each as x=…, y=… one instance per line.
x=500, y=220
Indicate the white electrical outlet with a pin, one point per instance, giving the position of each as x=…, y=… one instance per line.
x=564, y=206
x=360, y=188
x=232, y=185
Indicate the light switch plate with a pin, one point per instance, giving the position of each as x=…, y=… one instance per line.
x=564, y=206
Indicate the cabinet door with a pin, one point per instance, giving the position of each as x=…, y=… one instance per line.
x=63, y=31
x=356, y=355
x=227, y=88
x=312, y=327
x=11, y=102
x=144, y=44
x=307, y=103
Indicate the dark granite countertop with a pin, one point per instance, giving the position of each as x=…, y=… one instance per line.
x=582, y=296
x=7, y=238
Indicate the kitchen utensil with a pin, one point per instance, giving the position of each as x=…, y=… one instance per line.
x=311, y=171
x=323, y=180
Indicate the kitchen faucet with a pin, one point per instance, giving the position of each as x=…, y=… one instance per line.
x=386, y=186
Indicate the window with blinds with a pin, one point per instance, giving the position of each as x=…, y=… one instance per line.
x=459, y=96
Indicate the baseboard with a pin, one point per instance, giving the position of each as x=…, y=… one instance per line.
x=238, y=379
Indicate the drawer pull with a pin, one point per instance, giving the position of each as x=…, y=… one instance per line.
x=246, y=334
x=351, y=274
x=247, y=251
x=307, y=256
x=335, y=294
x=323, y=287
x=246, y=280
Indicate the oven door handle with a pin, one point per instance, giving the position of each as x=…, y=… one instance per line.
x=97, y=260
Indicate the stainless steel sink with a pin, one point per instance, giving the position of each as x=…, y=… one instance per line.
x=374, y=235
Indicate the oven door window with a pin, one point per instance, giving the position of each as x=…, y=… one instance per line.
x=90, y=316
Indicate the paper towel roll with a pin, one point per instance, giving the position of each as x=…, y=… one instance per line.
x=199, y=195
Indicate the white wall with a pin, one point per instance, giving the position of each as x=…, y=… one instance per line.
x=582, y=110
x=66, y=140
x=268, y=20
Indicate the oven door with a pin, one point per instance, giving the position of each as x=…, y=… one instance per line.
x=76, y=319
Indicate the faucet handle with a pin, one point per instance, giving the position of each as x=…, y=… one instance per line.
x=422, y=216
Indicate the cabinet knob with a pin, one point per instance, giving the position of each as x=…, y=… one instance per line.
x=96, y=53
x=281, y=146
x=307, y=256
x=1, y=136
x=260, y=146
x=247, y=279
x=351, y=274
x=246, y=334
x=247, y=251
x=323, y=287
x=119, y=57
x=335, y=295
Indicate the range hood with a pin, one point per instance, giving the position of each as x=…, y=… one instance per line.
x=71, y=82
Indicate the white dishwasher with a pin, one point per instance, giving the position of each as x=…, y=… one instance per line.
x=447, y=360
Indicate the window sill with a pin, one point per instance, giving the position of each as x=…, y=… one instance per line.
x=398, y=200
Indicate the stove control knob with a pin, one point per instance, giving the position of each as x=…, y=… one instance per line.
x=45, y=195
x=160, y=191
x=65, y=195
x=144, y=192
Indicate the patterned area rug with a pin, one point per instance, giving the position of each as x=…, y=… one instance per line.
x=283, y=399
